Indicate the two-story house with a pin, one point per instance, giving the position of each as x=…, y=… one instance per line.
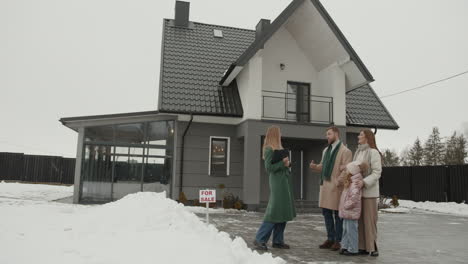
x=220, y=89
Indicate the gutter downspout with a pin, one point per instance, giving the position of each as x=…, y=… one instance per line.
x=182, y=154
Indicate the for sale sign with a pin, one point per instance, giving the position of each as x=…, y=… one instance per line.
x=207, y=196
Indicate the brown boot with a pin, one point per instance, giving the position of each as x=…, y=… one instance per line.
x=327, y=244
x=336, y=246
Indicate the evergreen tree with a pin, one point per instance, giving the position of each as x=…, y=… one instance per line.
x=451, y=150
x=390, y=158
x=460, y=150
x=416, y=154
x=404, y=157
x=434, y=149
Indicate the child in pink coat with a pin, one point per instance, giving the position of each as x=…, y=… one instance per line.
x=350, y=206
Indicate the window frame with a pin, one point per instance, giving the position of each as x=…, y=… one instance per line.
x=228, y=155
x=298, y=114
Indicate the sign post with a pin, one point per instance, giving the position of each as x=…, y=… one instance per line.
x=207, y=196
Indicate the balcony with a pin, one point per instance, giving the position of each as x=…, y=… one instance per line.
x=297, y=106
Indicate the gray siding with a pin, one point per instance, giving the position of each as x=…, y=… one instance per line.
x=197, y=159
x=352, y=141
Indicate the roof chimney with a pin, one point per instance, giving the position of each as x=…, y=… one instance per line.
x=181, y=14
x=261, y=28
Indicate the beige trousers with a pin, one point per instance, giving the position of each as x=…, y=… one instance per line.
x=368, y=225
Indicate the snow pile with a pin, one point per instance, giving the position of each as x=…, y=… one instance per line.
x=34, y=191
x=445, y=208
x=140, y=228
x=202, y=210
x=398, y=210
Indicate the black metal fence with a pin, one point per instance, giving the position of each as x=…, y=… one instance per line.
x=36, y=168
x=426, y=183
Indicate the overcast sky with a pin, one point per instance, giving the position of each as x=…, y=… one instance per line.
x=66, y=58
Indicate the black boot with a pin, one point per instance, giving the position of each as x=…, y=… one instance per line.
x=260, y=246
x=363, y=252
x=376, y=252
x=281, y=246
x=347, y=253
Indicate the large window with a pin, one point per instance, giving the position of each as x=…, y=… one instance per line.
x=126, y=158
x=219, y=156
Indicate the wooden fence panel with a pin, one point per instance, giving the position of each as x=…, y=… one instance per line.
x=426, y=183
x=11, y=166
x=458, y=183
x=36, y=168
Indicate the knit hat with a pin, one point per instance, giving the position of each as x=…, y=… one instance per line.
x=353, y=167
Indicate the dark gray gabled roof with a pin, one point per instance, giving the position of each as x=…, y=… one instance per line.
x=279, y=21
x=364, y=109
x=193, y=62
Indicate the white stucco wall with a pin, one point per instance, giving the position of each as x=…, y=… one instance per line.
x=249, y=82
x=331, y=82
x=263, y=73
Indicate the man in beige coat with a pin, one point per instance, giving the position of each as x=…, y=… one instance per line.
x=334, y=158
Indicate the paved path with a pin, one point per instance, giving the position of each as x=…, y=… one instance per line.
x=416, y=237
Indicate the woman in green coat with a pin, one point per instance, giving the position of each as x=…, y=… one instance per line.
x=280, y=207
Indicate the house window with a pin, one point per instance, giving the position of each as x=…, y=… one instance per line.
x=298, y=101
x=219, y=156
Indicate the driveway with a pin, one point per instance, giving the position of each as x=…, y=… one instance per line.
x=415, y=237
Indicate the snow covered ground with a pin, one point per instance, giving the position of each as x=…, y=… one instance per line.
x=445, y=208
x=42, y=192
x=398, y=210
x=140, y=228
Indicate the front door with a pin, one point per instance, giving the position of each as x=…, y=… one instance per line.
x=305, y=182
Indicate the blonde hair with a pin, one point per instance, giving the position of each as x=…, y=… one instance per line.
x=347, y=180
x=272, y=139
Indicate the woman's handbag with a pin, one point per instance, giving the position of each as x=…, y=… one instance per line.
x=279, y=155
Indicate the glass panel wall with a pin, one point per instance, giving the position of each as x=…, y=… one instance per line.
x=96, y=174
x=126, y=158
x=159, y=156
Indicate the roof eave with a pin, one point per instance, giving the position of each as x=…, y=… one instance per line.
x=279, y=21
x=344, y=42
x=373, y=126
x=161, y=66
x=199, y=113
x=71, y=122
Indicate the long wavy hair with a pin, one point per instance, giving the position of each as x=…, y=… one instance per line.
x=370, y=136
x=272, y=139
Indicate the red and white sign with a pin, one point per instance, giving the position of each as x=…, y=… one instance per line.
x=207, y=196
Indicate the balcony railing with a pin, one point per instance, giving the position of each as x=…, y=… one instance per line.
x=291, y=107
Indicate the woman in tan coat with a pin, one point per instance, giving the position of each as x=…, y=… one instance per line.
x=367, y=152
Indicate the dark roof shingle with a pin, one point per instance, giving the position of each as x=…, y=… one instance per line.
x=364, y=108
x=193, y=62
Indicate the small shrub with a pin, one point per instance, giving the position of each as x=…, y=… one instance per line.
x=239, y=205
x=228, y=201
x=383, y=202
x=182, y=198
x=394, y=202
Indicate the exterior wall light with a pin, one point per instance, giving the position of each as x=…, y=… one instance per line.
x=282, y=66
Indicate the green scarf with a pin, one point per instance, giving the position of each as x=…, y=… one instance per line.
x=328, y=162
